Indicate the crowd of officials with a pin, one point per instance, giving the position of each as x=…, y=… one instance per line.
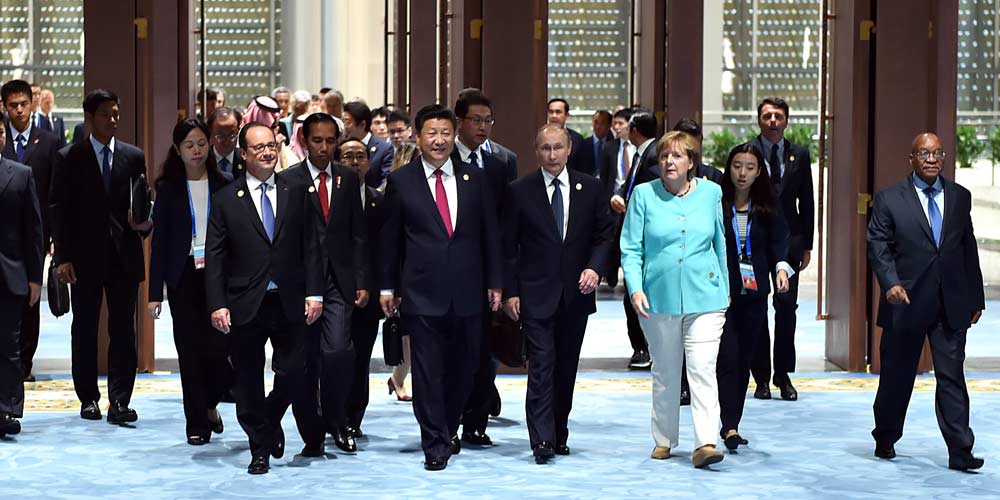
x=308, y=204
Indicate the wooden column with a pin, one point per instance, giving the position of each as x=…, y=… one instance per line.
x=401, y=54
x=423, y=60
x=649, y=73
x=685, y=60
x=465, y=60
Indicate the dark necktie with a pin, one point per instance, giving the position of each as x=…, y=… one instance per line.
x=106, y=168
x=20, y=148
x=266, y=212
x=473, y=162
x=557, y=206
x=775, y=165
x=597, y=156
x=632, y=173
x=225, y=165
x=441, y=199
x=934, y=214
x=324, y=197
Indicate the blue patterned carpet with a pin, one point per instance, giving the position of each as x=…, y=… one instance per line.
x=818, y=447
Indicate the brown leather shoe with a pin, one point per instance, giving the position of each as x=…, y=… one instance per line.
x=706, y=455
x=660, y=453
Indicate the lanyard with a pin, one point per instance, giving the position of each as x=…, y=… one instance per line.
x=736, y=232
x=194, y=224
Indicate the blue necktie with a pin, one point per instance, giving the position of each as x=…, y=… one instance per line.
x=597, y=156
x=106, y=169
x=473, y=162
x=934, y=214
x=20, y=148
x=557, y=206
x=266, y=212
x=224, y=165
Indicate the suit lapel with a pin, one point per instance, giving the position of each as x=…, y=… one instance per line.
x=31, y=145
x=917, y=208
x=949, y=205
x=281, y=188
x=247, y=201
x=462, y=190
x=545, y=204
x=6, y=174
x=575, y=194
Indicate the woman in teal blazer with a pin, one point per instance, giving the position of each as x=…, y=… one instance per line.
x=673, y=249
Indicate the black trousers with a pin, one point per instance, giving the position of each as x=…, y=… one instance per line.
x=445, y=353
x=635, y=335
x=900, y=354
x=332, y=357
x=30, y=323
x=554, y=352
x=260, y=417
x=745, y=318
x=364, y=332
x=86, y=302
x=202, y=351
x=11, y=370
x=484, y=389
x=785, y=307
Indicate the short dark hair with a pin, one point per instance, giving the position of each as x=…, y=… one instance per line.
x=603, y=113
x=246, y=128
x=558, y=99
x=325, y=90
x=336, y=152
x=318, y=118
x=380, y=111
x=15, y=87
x=688, y=126
x=468, y=98
x=360, y=112
x=213, y=94
x=397, y=115
x=644, y=122
x=773, y=101
x=434, y=112
x=222, y=113
x=623, y=113
x=95, y=98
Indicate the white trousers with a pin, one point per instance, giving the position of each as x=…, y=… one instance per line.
x=671, y=338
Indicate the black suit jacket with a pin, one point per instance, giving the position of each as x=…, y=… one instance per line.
x=902, y=251
x=21, y=244
x=345, y=236
x=768, y=247
x=238, y=167
x=171, y=243
x=240, y=260
x=380, y=155
x=430, y=271
x=796, y=191
x=645, y=170
x=538, y=263
x=709, y=172
x=59, y=129
x=90, y=226
x=498, y=169
x=374, y=203
x=40, y=153
x=581, y=157
x=79, y=133
x=609, y=166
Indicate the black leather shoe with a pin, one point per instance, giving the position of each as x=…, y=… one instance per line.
x=456, y=445
x=788, y=392
x=762, y=392
x=314, y=450
x=964, y=461
x=733, y=442
x=9, y=425
x=345, y=441
x=259, y=465
x=119, y=413
x=215, y=421
x=685, y=398
x=278, y=449
x=640, y=360
x=543, y=452
x=90, y=411
x=562, y=449
x=435, y=463
x=197, y=440
x=355, y=432
x=477, y=437
x=885, y=451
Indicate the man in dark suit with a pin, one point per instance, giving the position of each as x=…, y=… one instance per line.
x=98, y=250
x=58, y=125
x=358, y=124
x=600, y=138
x=224, y=125
x=334, y=210
x=643, y=167
x=557, y=231
x=440, y=261
x=38, y=119
x=38, y=149
x=790, y=170
x=615, y=165
x=475, y=123
x=579, y=159
x=923, y=251
x=262, y=263
x=20, y=281
x=703, y=171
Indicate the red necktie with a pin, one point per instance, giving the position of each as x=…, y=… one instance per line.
x=441, y=198
x=324, y=197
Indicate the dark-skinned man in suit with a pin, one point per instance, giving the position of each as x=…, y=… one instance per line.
x=923, y=251
x=557, y=113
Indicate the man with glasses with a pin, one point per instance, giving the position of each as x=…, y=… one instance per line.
x=224, y=125
x=400, y=130
x=923, y=251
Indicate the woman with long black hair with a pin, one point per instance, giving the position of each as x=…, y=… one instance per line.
x=180, y=217
x=757, y=248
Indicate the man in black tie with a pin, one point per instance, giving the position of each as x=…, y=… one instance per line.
x=98, y=250
x=20, y=280
x=557, y=113
x=923, y=252
x=224, y=125
x=38, y=149
x=600, y=138
x=334, y=210
x=262, y=263
x=440, y=261
x=790, y=170
x=557, y=232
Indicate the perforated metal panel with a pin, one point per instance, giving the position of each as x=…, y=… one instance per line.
x=977, y=62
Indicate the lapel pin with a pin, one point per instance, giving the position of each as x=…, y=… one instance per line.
x=338, y=182
x=373, y=203
x=312, y=189
x=373, y=148
x=36, y=141
x=791, y=158
x=465, y=177
x=579, y=186
x=239, y=194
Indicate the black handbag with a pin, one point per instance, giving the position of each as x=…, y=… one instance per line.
x=392, y=342
x=141, y=200
x=507, y=340
x=58, y=293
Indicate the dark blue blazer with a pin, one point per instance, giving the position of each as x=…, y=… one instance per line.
x=59, y=129
x=902, y=251
x=768, y=245
x=41, y=154
x=435, y=274
x=380, y=155
x=171, y=240
x=21, y=241
x=581, y=157
x=539, y=267
x=374, y=216
x=796, y=192
x=500, y=169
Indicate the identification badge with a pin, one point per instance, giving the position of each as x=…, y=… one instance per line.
x=749, y=280
x=199, y=256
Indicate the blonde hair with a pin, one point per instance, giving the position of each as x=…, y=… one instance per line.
x=687, y=142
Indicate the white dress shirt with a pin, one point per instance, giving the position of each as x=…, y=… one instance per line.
x=464, y=152
x=253, y=184
x=366, y=138
x=15, y=133
x=98, y=149
x=199, y=200
x=564, y=188
x=920, y=185
x=450, y=186
x=627, y=150
x=314, y=172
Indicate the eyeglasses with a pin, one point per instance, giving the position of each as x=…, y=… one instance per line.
x=260, y=148
x=353, y=157
x=924, y=155
x=226, y=138
x=476, y=121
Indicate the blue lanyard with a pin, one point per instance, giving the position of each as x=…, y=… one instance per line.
x=736, y=231
x=194, y=223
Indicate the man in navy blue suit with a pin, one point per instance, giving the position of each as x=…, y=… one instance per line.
x=358, y=124
x=440, y=262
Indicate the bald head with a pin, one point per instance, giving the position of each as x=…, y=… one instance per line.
x=927, y=157
x=925, y=140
